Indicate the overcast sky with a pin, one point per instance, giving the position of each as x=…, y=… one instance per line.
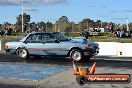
x=76, y=10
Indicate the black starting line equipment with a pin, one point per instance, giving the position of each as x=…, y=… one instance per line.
x=84, y=75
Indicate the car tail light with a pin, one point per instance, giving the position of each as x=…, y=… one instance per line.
x=5, y=46
x=88, y=47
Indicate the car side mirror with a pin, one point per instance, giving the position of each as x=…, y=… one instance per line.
x=57, y=41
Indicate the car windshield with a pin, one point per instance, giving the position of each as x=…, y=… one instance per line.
x=24, y=38
x=61, y=37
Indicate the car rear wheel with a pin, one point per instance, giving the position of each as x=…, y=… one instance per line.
x=76, y=55
x=22, y=53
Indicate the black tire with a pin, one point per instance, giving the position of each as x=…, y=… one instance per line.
x=22, y=53
x=80, y=80
x=76, y=55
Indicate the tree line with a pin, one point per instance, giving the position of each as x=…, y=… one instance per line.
x=62, y=24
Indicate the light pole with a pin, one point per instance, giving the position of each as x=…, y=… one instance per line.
x=127, y=24
x=23, y=2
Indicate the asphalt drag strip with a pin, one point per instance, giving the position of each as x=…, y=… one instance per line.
x=43, y=74
x=28, y=72
x=4, y=57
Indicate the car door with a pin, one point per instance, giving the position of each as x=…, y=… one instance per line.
x=43, y=44
x=51, y=45
x=33, y=44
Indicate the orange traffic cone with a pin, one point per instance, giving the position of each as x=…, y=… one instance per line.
x=81, y=72
x=75, y=68
x=92, y=70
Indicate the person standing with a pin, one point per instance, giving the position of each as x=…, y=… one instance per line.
x=82, y=33
x=87, y=34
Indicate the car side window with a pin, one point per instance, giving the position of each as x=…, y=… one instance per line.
x=48, y=38
x=34, y=38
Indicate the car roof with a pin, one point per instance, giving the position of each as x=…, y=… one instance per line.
x=42, y=32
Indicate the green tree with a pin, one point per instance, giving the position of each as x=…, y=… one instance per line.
x=26, y=20
x=86, y=23
x=62, y=23
x=130, y=26
x=104, y=24
x=32, y=26
x=63, y=19
x=49, y=26
x=6, y=24
x=70, y=27
x=98, y=23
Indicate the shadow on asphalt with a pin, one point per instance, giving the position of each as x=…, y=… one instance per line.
x=14, y=86
x=101, y=61
x=114, y=63
x=9, y=58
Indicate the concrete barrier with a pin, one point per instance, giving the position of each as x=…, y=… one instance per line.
x=124, y=49
x=110, y=49
x=107, y=48
x=115, y=49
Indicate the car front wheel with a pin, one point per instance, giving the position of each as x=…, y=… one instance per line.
x=76, y=55
x=22, y=53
